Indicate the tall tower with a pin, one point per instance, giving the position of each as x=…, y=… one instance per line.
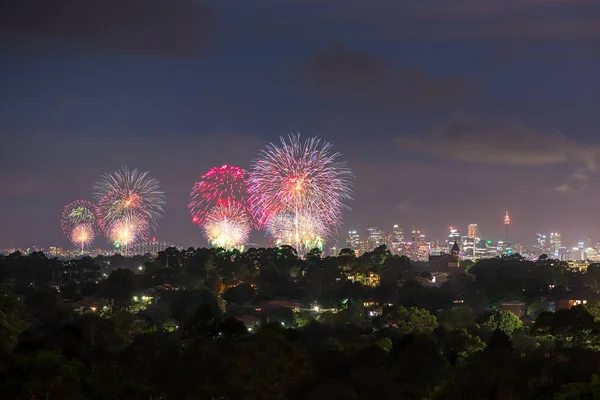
x=397, y=239
x=473, y=231
x=506, y=224
x=555, y=242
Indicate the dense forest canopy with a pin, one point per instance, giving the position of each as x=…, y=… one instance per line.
x=267, y=324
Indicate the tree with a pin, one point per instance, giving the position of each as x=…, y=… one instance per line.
x=119, y=286
x=501, y=320
x=459, y=345
x=49, y=375
x=283, y=315
x=240, y=294
x=457, y=317
x=411, y=320
x=266, y=366
x=538, y=306
x=580, y=390
x=14, y=319
x=574, y=327
x=592, y=275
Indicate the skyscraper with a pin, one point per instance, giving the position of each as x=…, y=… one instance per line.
x=397, y=239
x=473, y=231
x=453, y=236
x=555, y=243
x=541, y=240
x=374, y=237
x=353, y=241
x=506, y=223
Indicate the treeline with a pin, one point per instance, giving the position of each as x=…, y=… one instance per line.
x=397, y=340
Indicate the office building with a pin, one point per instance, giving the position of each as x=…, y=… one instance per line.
x=353, y=241
x=396, y=240
x=555, y=243
x=375, y=238
x=453, y=236
x=473, y=231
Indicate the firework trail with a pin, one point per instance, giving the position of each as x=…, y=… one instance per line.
x=224, y=184
x=303, y=178
x=311, y=230
x=80, y=221
x=227, y=225
x=129, y=198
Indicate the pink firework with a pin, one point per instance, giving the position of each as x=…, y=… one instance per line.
x=302, y=178
x=226, y=184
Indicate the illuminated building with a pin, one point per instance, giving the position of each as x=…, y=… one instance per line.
x=453, y=236
x=592, y=254
x=374, y=238
x=562, y=254
x=418, y=247
x=469, y=247
x=397, y=240
x=541, y=240
x=506, y=223
x=555, y=243
x=353, y=241
x=445, y=261
x=473, y=231
x=578, y=253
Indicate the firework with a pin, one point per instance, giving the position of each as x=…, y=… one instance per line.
x=303, y=178
x=224, y=184
x=127, y=231
x=227, y=225
x=129, y=197
x=310, y=233
x=82, y=235
x=80, y=212
x=80, y=221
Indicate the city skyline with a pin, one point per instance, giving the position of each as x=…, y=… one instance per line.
x=446, y=115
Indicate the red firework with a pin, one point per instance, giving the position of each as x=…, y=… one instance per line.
x=220, y=185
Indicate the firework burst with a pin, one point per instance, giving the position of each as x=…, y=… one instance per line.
x=302, y=178
x=227, y=225
x=126, y=197
x=80, y=212
x=80, y=221
x=220, y=205
x=310, y=233
x=224, y=184
x=82, y=235
x=127, y=231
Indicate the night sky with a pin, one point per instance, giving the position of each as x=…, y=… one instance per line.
x=448, y=112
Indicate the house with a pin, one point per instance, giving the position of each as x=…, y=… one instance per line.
x=89, y=304
x=570, y=298
x=445, y=262
x=272, y=304
x=371, y=279
x=251, y=322
x=514, y=306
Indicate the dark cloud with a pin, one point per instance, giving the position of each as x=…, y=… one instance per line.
x=507, y=143
x=442, y=20
x=166, y=27
x=341, y=71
